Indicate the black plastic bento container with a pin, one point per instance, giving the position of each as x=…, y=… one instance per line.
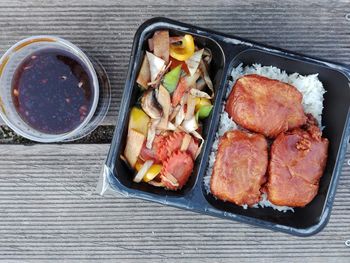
x=229, y=52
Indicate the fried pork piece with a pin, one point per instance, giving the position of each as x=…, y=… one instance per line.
x=240, y=167
x=298, y=159
x=265, y=105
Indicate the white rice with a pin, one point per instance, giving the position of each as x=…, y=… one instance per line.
x=311, y=88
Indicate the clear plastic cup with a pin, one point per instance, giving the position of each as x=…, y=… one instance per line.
x=8, y=65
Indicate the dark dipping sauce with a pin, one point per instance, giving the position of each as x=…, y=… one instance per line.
x=52, y=91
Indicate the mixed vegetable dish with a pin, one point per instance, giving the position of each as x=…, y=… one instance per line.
x=165, y=126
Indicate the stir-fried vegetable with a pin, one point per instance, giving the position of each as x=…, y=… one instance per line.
x=171, y=79
x=142, y=172
x=191, y=104
x=179, y=92
x=163, y=98
x=190, y=125
x=156, y=65
x=138, y=120
x=183, y=50
x=150, y=104
x=161, y=44
x=152, y=172
x=133, y=146
x=193, y=61
x=186, y=142
x=202, y=102
x=203, y=112
x=174, y=63
x=145, y=74
x=151, y=134
x=164, y=135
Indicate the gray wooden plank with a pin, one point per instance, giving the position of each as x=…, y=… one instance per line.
x=105, y=29
x=49, y=210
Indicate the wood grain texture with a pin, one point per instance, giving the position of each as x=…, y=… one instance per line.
x=48, y=206
x=49, y=210
x=105, y=29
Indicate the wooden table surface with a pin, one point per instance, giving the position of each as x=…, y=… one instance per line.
x=49, y=209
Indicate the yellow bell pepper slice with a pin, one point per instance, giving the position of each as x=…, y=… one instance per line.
x=138, y=120
x=152, y=172
x=183, y=51
x=202, y=102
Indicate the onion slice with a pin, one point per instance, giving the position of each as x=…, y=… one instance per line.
x=155, y=83
x=191, y=104
x=190, y=125
x=171, y=179
x=151, y=134
x=171, y=127
x=185, y=142
x=181, y=113
x=141, y=173
x=191, y=80
x=199, y=137
x=180, y=116
x=200, y=94
x=156, y=184
x=174, y=112
x=193, y=62
x=156, y=65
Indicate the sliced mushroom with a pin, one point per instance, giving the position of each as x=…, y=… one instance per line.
x=164, y=100
x=207, y=56
x=150, y=105
x=200, y=84
x=206, y=76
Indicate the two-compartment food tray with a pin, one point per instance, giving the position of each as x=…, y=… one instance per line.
x=229, y=52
